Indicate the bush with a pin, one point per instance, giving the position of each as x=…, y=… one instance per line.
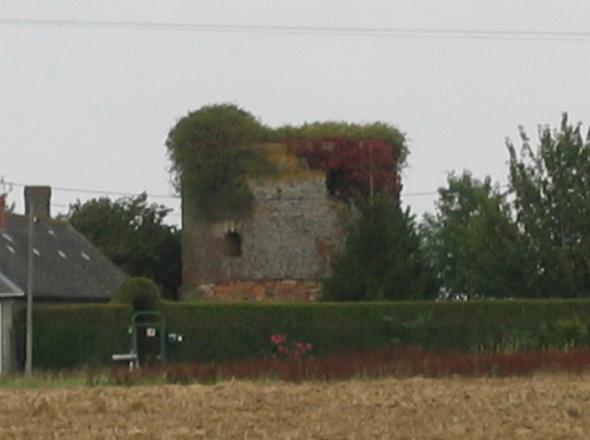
x=139, y=292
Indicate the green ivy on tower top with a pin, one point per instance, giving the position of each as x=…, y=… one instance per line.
x=215, y=149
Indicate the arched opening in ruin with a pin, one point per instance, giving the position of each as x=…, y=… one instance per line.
x=233, y=244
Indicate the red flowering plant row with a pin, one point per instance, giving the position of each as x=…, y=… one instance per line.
x=353, y=167
x=283, y=348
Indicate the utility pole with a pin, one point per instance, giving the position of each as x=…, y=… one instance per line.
x=371, y=183
x=29, y=336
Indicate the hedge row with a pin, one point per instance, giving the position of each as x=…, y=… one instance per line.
x=69, y=336
x=215, y=332
x=76, y=335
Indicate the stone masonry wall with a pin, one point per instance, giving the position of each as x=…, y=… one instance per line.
x=291, y=237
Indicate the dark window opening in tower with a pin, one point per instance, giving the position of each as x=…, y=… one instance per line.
x=233, y=244
x=335, y=183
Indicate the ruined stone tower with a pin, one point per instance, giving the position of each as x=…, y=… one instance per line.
x=264, y=210
x=279, y=252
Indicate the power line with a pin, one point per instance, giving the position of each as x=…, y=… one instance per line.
x=98, y=192
x=161, y=196
x=351, y=31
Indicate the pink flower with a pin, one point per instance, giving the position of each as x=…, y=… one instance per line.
x=278, y=339
x=289, y=349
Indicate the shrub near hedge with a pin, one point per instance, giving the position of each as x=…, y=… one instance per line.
x=139, y=292
x=216, y=332
x=77, y=335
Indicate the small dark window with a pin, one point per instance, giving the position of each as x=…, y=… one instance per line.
x=233, y=244
x=336, y=183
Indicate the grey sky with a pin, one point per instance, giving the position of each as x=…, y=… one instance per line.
x=91, y=108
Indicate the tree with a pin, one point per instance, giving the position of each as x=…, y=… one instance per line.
x=382, y=259
x=132, y=233
x=552, y=205
x=472, y=242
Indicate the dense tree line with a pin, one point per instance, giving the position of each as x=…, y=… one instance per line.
x=530, y=239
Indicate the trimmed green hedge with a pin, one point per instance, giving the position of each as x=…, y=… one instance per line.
x=76, y=335
x=215, y=332
x=70, y=336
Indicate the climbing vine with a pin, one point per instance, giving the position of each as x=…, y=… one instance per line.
x=354, y=168
x=210, y=159
x=212, y=154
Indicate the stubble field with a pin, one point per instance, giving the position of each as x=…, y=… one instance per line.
x=539, y=407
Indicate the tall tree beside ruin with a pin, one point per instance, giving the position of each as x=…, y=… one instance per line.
x=472, y=242
x=550, y=186
x=382, y=259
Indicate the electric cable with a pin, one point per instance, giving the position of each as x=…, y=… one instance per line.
x=349, y=31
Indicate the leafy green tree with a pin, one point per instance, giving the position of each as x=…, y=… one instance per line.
x=472, y=242
x=132, y=233
x=382, y=259
x=550, y=187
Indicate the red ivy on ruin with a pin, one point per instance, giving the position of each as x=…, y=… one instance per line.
x=352, y=166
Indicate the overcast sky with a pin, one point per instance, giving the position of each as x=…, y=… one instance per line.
x=90, y=107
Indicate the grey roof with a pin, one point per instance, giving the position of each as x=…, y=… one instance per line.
x=66, y=265
x=8, y=288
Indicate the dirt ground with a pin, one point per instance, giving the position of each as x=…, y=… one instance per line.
x=542, y=407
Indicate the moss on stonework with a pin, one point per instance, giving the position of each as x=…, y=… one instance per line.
x=286, y=165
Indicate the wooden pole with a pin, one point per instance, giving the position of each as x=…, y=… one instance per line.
x=371, y=185
x=29, y=336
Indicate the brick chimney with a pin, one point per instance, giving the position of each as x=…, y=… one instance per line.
x=40, y=198
x=2, y=211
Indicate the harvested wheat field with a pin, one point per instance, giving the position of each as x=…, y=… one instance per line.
x=541, y=407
